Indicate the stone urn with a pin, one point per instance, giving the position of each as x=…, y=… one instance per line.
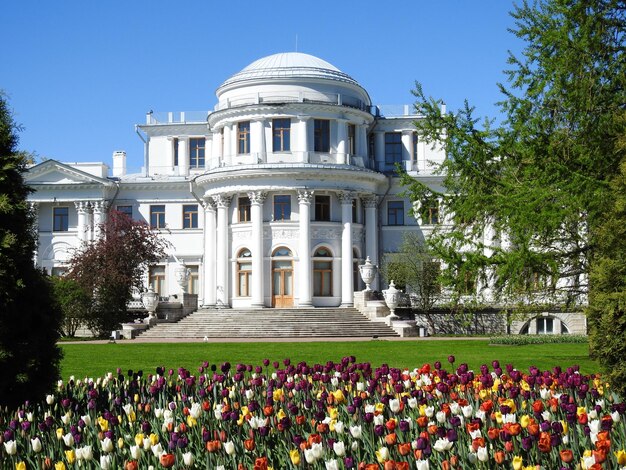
x=181, y=274
x=392, y=297
x=150, y=301
x=368, y=273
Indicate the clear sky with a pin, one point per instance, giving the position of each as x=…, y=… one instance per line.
x=81, y=73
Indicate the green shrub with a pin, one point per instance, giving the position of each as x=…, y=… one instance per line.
x=521, y=340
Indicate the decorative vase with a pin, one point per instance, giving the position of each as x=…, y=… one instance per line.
x=392, y=297
x=181, y=274
x=368, y=273
x=150, y=301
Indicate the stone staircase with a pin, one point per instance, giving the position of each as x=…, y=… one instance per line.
x=272, y=323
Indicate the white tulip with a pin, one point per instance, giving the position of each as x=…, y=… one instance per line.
x=87, y=452
x=105, y=462
x=614, y=416
x=482, y=454
x=229, y=447
x=442, y=445
x=384, y=453
x=68, y=439
x=422, y=464
x=441, y=416
x=36, y=444
x=331, y=464
x=340, y=448
x=339, y=427
x=107, y=445
x=157, y=450
x=394, y=405
x=196, y=410
x=379, y=420
x=188, y=459
x=356, y=432
x=86, y=419
x=354, y=446
x=309, y=456
x=135, y=452
x=147, y=443
x=472, y=457
x=412, y=402
x=318, y=450
x=10, y=447
x=49, y=399
x=429, y=411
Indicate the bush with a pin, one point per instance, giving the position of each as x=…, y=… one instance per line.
x=521, y=340
x=74, y=302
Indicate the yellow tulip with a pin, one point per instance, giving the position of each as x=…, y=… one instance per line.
x=422, y=410
x=278, y=394
x=379, y=407
x=524, y=386
x=511, y=404
x=333, y=413
x=154, y=439
x=139, y=439
x=498, y=417
x=104, y=424
x=565, y=426
x=136, y=398
x=484, y=393
x=281, y=414
x=339, y=398
x=621, y=457
x=294, y=455
x=70, y=455
x=517, y=462
x=20, y=466
x=191, y=421
x=59, y=433
x=524, y=421
x=59, y=466
x=120, y=443
x=581, y=410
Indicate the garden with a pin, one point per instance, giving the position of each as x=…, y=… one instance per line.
x=344, y=413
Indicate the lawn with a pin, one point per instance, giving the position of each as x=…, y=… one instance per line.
x=93, y=360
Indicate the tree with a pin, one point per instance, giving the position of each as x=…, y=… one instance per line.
x=29, y=317
x=527, y=198
x=112, y=266
x=74, y=301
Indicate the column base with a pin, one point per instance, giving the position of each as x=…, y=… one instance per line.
x=257, y=305
x=305, y=304
x=346, y=305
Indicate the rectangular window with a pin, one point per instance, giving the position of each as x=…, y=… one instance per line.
x=282, y=207
x=395, y=213
x=321, y=135
x=545, y=326
x=58, y=271
x=175, y=152
x=193, y=284
x=322, y=278
x=393, y=147
x=157, y=216
x=190, y=216
x=351, y=139
x=322, y=208
x=243, y=137
x=244, y=274
x=157, y=279
x=60, y=216
x=196, y=152
x=430, y=212
x=243, y=207
x=127, y=210
x=281, y=132
x=355, y=212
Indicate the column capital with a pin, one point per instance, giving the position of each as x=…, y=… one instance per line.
x=222, y=201
x=257, y=197
x=345, y=197
x=370, y=201
x=208, y=204
x=33, y=205
x=99, y=206
x=305, y=196
x=82, y=207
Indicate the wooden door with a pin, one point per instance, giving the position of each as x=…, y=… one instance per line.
x=282, y=284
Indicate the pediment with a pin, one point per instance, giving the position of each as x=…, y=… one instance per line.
x=52, y=172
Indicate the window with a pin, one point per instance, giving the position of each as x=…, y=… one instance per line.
x=282, y=207
x=355, y=211
x=322, y=208
x=243, y=137
x=393, y=148
x=281, y=132
x=190, y=216
x=58, y=271
x=193, y=284
x=430, y=212
x=395, y=213
x=321, y=135
x=415, y=146
x=468, y=283
x=351, y=139
x=175, y=152
x=127, y=210
x=60, y=217
x=244, y=273
x=545, y=326
x=322, y=273
x=243, y=207
x=157, y=216
x=157, y=279
x=196, y=152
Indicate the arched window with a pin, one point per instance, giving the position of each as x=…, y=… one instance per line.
x=244, y=272
x=322, y=273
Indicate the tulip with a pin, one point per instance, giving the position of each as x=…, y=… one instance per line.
x=60, y=466
x=36, y=445
x=517, y=462
x=482, y=454
x=229, y=447
x=331, y=464
x=20, y=466
x=167, y=460
x=68, y=439
x=339, y=448
x=356, y=432
x=294, y=456
x=131, y=465
x=382, y=454
x=188, y=459
x=105, y=462
x=10, y=447
x=422, y=465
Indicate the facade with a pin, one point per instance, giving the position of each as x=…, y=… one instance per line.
x=272, y=199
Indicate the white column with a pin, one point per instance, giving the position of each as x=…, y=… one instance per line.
x=407, y=150
x=303, y=139
x=34, y=211
x=379, y=147
x=99, y=217
x=227, y=153
x=259, y=151
x=256, y=214
x=361, y=141
x=209, y=253
x=183, y=155
x=222, y=202
x=342, y=136
x=371, y=233
x=347, y=289
x=82, y=209
x=304, y=248
x=216, y=148
x=208, y=150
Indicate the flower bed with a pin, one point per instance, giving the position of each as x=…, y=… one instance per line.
x=333, y=415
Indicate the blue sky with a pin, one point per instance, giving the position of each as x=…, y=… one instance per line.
x=80, y=74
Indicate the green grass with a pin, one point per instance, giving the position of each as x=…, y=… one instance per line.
x=94, y=360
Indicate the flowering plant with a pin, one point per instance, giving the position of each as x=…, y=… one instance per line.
x=338, y=415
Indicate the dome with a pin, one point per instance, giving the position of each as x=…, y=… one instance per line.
x=289, y=65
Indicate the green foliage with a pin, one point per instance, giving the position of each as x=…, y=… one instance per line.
x=520, y=340
x=29, y=318
x=110, y=267
x=75, y=304
x=525, y=196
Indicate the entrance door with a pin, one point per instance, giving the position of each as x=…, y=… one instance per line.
x=282, y=284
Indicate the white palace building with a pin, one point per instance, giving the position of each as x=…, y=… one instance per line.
x=272, y=199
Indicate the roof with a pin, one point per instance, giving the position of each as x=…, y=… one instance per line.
x=288, y=65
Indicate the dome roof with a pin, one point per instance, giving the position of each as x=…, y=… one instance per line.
x=289, y=65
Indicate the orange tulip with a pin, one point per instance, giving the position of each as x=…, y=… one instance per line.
x=131, y=465
x=599, y=455
x=268, y=410
x=538, y=406
x=260, y=463
x=402, y=466
x=478, y=442
x=544, y=442
x=300, y=419
x=422, y=421
x=167, y=460
x=445, y=465
x=493, y=433
x=566, y=455
x=314, y=439
x=213, y=446
x=322, y=428
x=499, y=457
x=391, y=439
x=404, y=448
x=249, y=444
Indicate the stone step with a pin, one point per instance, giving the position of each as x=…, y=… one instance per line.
x=279, y=323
